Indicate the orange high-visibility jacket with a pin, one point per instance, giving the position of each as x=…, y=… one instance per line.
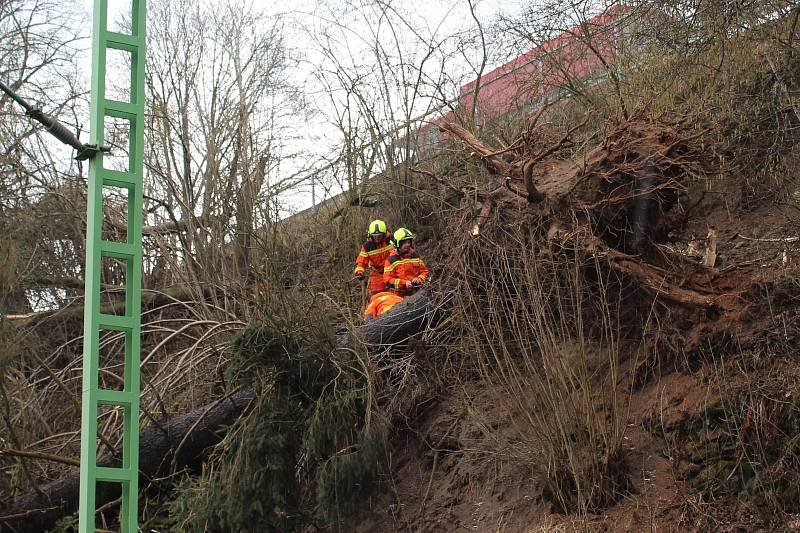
x=381, y=303
x=372, y=256
x=401, y=268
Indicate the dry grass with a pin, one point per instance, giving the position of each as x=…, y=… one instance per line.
x=183, y=354
x=737, y=70
x=547, y=345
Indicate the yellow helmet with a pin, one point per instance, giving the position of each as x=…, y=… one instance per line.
x=402, y=234
x=376, y=226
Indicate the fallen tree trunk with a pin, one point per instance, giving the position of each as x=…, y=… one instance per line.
x=189, y=435
x=415, y=313
x=182, y=440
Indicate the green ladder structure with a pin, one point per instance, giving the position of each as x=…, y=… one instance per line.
x=129, y=253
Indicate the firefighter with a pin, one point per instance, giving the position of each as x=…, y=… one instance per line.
x=381, y=303
x=404, y=269
x=373, y=255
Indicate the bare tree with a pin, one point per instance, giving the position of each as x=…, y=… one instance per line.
x=573, y=46
x=41, y=209
x=219, y=101
x=387, y=68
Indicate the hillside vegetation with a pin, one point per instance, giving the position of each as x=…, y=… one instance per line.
x=616, y=302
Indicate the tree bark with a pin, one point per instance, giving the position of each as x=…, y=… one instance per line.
x=415, y=313
x=193, y=432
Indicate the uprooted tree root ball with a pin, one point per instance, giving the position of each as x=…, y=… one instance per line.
x=560, y=269
x=621, y=201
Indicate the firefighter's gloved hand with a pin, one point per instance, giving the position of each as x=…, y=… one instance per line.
x=359, y=277
x=409, y=285
x=417, y=282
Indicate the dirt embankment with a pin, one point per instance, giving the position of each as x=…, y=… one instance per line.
x=711, y=406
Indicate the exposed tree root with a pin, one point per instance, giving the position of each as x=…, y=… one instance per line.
x=617, y=200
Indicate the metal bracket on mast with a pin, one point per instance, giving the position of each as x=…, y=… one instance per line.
x=56, y=128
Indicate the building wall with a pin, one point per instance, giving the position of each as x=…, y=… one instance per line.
x=576, y=54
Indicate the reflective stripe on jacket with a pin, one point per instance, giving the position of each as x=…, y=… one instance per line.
x=399, y=269
x=374, y=257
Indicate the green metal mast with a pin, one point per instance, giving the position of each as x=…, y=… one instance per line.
x=128, y=253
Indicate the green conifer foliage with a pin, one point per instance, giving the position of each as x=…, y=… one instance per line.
x=306, y=452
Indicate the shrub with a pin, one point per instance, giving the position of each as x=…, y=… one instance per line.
x=306, y=451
